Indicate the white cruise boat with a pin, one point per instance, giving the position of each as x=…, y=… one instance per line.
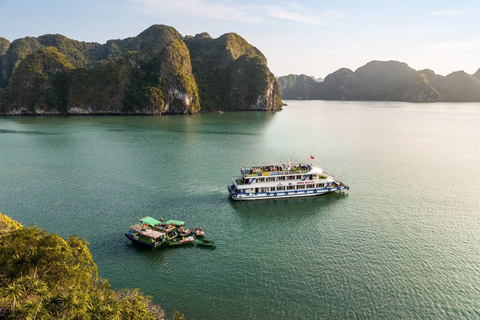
x=274, y=181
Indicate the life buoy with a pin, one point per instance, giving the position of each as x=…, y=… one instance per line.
x=296, y=191
x=234, y=195
x=286, y=193
x=268, y=193
x=305, y=191
x=247, y=194
x=315, y=191
x=275, y=194
x=329, y=189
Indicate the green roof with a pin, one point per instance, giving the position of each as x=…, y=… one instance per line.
x=150, y=221
x=176, y=223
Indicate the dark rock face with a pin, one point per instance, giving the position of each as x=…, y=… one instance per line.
x=4, y=45
x=177, y=80
x=157, y=72
x=38, y=84
x=232, y=74
x=297, y=87
x=386, y=81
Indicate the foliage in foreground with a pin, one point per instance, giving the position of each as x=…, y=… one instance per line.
x=43, y=276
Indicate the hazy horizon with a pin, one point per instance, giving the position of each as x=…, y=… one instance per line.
x=297, y=37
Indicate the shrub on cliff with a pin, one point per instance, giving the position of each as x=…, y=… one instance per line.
x=43, y=276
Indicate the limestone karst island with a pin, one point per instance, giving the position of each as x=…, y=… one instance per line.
x=157, y=72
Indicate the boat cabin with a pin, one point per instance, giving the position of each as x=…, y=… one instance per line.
x=147, y=236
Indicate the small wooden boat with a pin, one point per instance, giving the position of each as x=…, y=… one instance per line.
x=180, y=242
x=184, y=233
x=199, y=232
x=206, y=243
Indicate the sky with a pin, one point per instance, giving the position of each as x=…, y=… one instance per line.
x=298, y=36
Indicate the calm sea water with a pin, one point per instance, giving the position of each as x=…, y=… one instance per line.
x=403, y=243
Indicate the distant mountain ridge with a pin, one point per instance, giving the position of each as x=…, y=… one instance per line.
x=384, y=81
x=157, y=72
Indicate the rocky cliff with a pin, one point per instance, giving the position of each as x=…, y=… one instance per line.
x=231, y=72
x=386, y=81
x=157, y=72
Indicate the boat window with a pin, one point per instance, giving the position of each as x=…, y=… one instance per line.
x=319, y=185
x=260, y=179
x=302, y=186
x=281, y=178
x=280, y=188
x=291, y=188
x=272, y=189
x=299, y=177
x=310, y=186
x=291, y=177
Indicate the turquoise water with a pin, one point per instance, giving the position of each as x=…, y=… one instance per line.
x=403, y=243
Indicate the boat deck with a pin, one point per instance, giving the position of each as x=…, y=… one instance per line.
x=275, y=170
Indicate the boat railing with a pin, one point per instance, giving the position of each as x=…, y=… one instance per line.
x=260, y=173
x=238, y=180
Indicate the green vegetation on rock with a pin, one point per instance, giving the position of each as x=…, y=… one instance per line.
x=232, y=74
x=101, y=89
x=153, y=40
x=80, y=54
x=156, y=72
x=43, y=276
x=38, y=84
x=4, y=45
x=177, y=80
x=17, y=51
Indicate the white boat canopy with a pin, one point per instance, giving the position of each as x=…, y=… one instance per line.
x=315, y=170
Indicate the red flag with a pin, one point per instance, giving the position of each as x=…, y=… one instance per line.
x=312, y=157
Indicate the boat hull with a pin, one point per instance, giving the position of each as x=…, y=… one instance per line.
x=175, y=243
x=181, y=242
x=206, y=243
x=283, y=194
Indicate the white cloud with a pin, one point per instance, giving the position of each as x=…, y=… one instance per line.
x=228, y=10
x=455, y=48
x=295, y=12
x=208, y=9
x=453, y=12
x=444, y=57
